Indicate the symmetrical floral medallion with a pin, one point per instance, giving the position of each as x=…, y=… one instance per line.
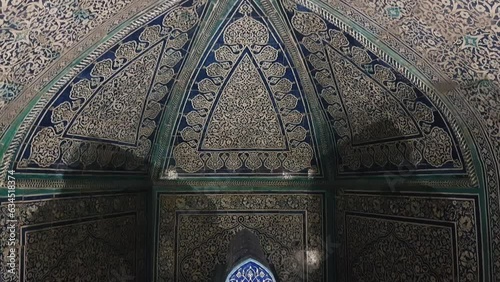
x=245, y=112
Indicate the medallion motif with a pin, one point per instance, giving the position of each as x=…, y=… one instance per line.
x=244, y=95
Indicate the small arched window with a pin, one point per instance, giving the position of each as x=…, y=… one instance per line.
x=250, y=270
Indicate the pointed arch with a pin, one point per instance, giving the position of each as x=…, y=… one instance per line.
x=250, y=270
x=279, y=136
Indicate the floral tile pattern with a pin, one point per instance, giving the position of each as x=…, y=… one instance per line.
x=456, y=45
x=453, y=40
x=286, y=224
x=461, y=36
x=251, y=271
x=94, y=238
x=246, y=112
x=384, y=237
x=428, y=99
x=381, y=120
x=105, y=118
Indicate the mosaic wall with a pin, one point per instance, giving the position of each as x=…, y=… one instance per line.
x=460, y=36
x=250, y=271
x=457, y=40
x=288, y=227
x=386, y=107
x=445, y=40
x=245, y=112
x=95, y=238
x=104, y=119
x=381, y=120
x=385, y=237
x=39, y=38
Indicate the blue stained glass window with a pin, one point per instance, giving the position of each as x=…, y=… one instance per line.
x=250, y=271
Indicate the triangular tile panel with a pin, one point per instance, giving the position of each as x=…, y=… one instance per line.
x=245, y=113
x=232, y=123
x=382, y=123
x=105, y=118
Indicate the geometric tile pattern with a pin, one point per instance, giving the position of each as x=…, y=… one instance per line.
x=93, y=238
x=290, y=228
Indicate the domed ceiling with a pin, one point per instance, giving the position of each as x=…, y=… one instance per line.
x=198, y=91
x=332, y=95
